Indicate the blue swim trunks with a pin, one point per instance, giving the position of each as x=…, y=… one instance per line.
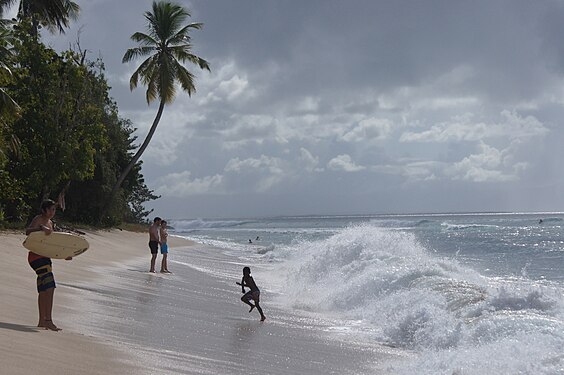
x=164, y=248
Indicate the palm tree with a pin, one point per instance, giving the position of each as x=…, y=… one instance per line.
x=167, y=45
x=53, y=14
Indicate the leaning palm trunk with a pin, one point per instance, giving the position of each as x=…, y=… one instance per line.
x=167, y=46
x=135, y=158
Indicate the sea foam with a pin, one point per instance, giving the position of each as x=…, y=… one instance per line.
x=408, y=297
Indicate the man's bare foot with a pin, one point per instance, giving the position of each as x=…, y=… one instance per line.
x=50, y=326
x=152, y=271
x=252, y=307
x=263, y=318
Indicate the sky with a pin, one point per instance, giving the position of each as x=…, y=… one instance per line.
x=349, y=107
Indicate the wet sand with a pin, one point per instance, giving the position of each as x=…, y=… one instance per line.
x=117, y=318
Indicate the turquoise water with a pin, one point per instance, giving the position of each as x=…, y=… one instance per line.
x=461, y=293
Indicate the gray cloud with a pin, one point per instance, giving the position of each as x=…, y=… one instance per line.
x=323, y=106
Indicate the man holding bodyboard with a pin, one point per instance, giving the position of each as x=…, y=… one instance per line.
x=42, y=266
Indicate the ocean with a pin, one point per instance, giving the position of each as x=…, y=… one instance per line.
x=476, y=293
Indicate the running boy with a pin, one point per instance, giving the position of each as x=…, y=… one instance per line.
x=42, y=266
x=253, y=294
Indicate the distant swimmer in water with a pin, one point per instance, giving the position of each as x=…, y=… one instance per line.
x=253, y=294
x=250, y=241
x=540, y=221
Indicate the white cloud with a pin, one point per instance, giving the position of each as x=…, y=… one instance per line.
x=512, y=126
x=246, y=129
x=264, y=173
x=344, y=163
x=369, y=129
x=308, y=161
x=182, y=185
x=227, y=82
x=233, y=87
x=420, y=171
x=488, y=165
x=263, y=162
x=176, y=125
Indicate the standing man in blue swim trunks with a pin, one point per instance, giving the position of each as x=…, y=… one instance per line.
x=163, y=233
x=154, y=241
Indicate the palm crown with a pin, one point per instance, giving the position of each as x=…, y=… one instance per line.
x=53, y=14
x=167, y=45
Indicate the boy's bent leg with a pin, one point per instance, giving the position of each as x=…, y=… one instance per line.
x=247, y=300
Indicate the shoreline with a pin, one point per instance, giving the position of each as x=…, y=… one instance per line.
x=117, y=318
x=25, y=348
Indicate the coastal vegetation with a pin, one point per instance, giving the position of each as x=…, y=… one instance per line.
x=61, y=134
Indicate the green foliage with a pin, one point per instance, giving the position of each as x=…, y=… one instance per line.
x=71, y=139
x=11, y=191
x=60, y=127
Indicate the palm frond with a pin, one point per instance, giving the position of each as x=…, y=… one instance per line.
x=183, y=36
x=134, y=53
x=7, y=104
x=141, y=71
x=55, y=15
x=144, y=39
x=182, y=53
x=167, y=76
x=167, y=36
x=186, y=79
x=167, y=18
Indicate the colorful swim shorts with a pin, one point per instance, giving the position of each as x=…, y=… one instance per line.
x=45, y=278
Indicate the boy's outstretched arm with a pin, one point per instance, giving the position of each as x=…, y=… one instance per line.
x=242, y=286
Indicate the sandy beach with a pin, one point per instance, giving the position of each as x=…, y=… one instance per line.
x=119, y=319
x=26, y=349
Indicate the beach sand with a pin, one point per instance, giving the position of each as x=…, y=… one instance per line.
x=26, y=349
x=119, y=319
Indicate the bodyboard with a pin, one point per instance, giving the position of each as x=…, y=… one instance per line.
x=57, y=245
